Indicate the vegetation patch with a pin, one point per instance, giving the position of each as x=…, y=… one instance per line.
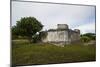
x=25, y=53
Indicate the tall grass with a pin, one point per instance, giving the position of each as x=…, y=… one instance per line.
x=24, y=53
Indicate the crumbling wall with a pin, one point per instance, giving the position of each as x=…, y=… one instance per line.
x=74, y=36
x=57, y=36
x=62, y=35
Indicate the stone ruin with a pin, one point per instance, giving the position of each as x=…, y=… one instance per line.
x=61, y=35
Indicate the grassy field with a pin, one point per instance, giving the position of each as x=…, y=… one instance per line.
x=24, y=53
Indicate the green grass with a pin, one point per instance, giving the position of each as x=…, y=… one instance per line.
x=24, y=53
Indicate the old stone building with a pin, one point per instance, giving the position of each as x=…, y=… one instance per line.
x=62, y=35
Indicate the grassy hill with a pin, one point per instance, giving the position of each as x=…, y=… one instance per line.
x=25, y=53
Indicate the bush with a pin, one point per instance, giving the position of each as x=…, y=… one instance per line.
x=14, y=37
x=85, y=39
x=36, y=38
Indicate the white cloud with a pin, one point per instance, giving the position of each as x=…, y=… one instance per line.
x=52, y=14
x=86, y=28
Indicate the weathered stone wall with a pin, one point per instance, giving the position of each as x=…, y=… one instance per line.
x=56, y=36
x=62, y=35
x=66, y=36
x=73, y=36
x=62, y=26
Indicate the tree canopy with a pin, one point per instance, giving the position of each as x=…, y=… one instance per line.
x=88, y=36
x=27, y=26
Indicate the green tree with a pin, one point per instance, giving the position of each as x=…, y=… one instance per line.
x=85, y=39
x=14, y=32
x=92, y=36
x=28, y=26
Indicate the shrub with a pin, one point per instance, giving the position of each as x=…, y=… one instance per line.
x=85, y=39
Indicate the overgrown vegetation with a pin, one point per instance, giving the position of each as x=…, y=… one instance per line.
x=24, y=53
x=88, y=37
x=26, y=27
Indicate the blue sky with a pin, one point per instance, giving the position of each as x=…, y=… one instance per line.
x=77, y=17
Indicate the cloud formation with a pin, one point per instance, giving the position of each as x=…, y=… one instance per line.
x=52, y=14
x=86, y=28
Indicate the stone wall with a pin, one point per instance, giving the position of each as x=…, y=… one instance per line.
x=62, y=35
x=73, y=36
x=62, y=26
x=56, y=36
